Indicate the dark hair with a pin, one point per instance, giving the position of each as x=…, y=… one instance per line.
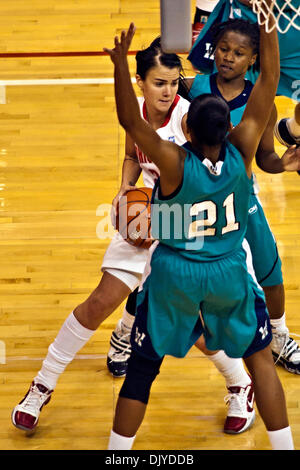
x=208, y=118
x=148, y=58
x=244, y=27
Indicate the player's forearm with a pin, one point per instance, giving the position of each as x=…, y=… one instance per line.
x=126, y=101
x=269, y=57
x=131, y=171
x=270, y=162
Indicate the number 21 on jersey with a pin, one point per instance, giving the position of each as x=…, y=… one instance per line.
x=204, y=227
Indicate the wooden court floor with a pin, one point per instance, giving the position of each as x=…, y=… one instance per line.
x=61, y=151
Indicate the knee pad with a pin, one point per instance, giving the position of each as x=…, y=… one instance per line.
x=140, y=375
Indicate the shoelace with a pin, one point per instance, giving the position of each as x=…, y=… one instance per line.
x=34, y=400
x=236, y=402
x=289, y=346
x=121, y=351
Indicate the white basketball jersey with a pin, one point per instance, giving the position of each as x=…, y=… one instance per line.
x=170, y=130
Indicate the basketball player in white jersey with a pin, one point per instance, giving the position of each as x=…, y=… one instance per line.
x=123, y=264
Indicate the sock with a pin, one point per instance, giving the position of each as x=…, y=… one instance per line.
x=127, y=320
x=117, y=442
x=70, y=339
x=279, y=324
x=232, y=369
x=281, y=439
x=293, y=127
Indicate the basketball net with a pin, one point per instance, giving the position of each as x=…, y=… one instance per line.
x=285, y=13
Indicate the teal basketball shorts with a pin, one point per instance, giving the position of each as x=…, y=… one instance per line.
x=181, y=299
x=265, y=257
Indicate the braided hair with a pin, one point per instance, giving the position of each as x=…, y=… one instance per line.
x=244, y=27
x=209, y=119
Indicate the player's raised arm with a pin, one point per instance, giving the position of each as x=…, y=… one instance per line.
x=168, y=156
x=246, y=136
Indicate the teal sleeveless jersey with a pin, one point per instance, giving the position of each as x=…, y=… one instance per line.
x=208, y=84
x=206, y=218
x=288, y=45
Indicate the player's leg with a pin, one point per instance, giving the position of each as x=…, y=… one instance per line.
x=270, y=399
x=167, y=321
x=269, y=394
x=246, y=332
x=75, y=332
x=267, y=268
x=123, y=256
x=133, y=400
x=239, y=384
x=120, y=348
x=239, y=387
x=143, y=366
x=285, y=349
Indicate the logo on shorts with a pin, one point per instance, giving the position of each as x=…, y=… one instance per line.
x=264, y=331
x=253, y=209
x=139, y=337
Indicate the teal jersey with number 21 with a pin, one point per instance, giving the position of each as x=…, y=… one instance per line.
x=206, y=218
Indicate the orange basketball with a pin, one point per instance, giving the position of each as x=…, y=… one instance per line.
x=133, y=217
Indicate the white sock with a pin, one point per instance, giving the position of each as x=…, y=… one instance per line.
x=70, y=339
x=127, y=320
x=118, y=442
x=279, y=324
x=232, y=369
x=281, y=439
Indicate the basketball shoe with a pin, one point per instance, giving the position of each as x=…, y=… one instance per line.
x=283, y=134
x=26, y=414
x=241, y=413
x=285, y=351
x=120, y=350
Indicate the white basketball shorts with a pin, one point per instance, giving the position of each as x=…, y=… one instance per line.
x=124, y=261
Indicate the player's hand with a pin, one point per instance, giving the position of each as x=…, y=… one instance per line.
x=113, y=213
x=291, y=159
x=122, y=44
x=121, y=193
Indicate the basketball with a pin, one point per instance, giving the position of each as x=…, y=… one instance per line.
x=133, y=217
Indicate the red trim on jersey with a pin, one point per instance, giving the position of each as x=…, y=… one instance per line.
x=141, y=156
x=168, y=116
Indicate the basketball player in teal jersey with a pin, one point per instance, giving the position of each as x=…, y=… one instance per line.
x=287, y=130
x=201, y=264
x=235, y=48
x=123, y=264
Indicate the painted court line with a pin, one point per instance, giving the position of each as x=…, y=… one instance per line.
x=53, y=81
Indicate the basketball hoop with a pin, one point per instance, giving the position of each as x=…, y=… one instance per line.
x=286, y=14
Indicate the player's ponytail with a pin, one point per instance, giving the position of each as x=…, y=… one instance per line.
x=209, y=119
